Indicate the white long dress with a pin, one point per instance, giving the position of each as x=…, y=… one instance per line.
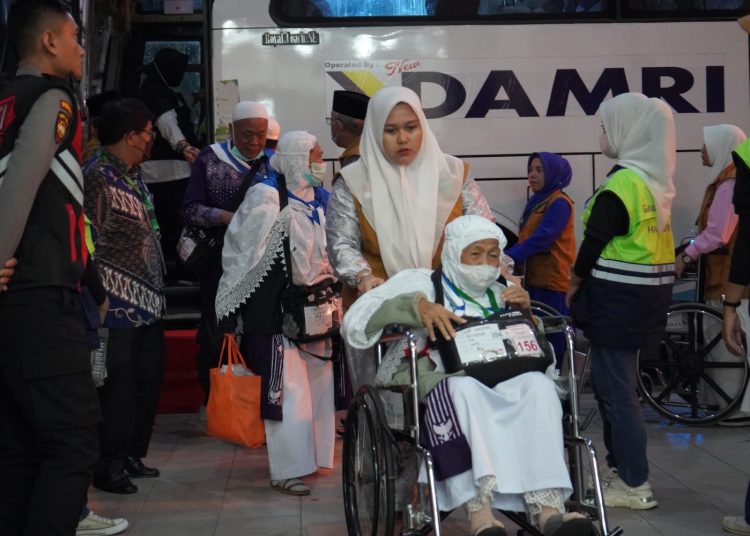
x=514, y=430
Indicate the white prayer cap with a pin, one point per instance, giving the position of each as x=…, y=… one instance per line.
x=274, y=129
x=249, y=110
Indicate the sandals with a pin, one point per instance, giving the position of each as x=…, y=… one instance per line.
x=493, y=529
x=578, y=526
x=291, y=486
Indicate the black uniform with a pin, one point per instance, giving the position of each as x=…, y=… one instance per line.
x=48, y=403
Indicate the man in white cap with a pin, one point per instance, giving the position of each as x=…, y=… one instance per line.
x=273, y=133
x=220, y=177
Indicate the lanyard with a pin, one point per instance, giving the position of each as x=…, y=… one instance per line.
x=486, y=312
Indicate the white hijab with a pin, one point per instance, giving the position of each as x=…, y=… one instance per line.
x=459, y=234
x=292, y=159
x=720, y=141
x=407, y=206
x=640, y=131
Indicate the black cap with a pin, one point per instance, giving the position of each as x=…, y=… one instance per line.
x=350, y=103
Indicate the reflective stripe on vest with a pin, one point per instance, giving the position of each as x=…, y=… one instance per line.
x=633, y=274
x=645, y=255
x=65, y=167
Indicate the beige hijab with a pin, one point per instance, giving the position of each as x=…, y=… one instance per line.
x=640, y=130
x=406, y=205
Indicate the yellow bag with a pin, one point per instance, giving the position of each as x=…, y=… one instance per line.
x=234, y=403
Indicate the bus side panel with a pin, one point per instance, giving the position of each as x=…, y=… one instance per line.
x=497, y=93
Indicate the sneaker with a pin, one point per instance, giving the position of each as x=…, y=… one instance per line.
x=735, y=525
x=607, y=473
x=96, y=525
x=619, y=495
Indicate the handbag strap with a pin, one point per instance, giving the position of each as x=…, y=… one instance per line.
x=232, y=351
x=248, y=181
x=283, y=202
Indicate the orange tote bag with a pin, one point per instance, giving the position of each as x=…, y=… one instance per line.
x=234, y=403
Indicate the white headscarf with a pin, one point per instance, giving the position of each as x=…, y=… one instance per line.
x=292, y=159
x=640, y=131
x=459, y=234
x=720, y=141
x=406, y=205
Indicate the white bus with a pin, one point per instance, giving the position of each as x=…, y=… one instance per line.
x=499, y=79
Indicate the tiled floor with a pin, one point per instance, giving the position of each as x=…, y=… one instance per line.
x=212, y=488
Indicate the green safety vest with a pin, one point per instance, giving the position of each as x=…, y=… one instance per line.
x=743, y=151
x=645, y=255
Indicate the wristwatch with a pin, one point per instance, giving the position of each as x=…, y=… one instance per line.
x=687, y=259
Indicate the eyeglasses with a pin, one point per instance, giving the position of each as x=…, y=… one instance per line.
x=330, y=120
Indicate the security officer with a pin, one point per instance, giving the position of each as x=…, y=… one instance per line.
x=48, y=403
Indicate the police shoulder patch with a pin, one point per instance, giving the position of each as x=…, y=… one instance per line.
x=66, y=107
x=61, y=126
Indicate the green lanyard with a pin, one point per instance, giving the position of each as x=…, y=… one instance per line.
x=486, y=312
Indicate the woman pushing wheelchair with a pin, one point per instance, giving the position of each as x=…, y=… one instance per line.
x=495, y=434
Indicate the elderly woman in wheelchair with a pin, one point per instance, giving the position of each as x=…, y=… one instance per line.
x=495, y=434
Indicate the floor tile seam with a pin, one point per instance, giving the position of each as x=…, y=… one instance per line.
x=700, y=494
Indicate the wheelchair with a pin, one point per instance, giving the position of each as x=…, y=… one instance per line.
x=382, y=455
x=679, y=378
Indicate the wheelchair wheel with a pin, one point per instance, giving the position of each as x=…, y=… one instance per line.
x=368, y=467
x=691, y=379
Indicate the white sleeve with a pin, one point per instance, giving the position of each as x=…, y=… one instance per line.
x=359, y=314
x=252, y=242
x=167, y=125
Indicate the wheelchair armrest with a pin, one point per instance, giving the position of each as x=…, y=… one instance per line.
x=555, y=324
x=393, y=332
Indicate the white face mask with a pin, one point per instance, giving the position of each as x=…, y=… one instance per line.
x=476, y=279
x=318, y=170
x=606, y=150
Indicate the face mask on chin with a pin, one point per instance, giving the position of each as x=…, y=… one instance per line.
x=238, y=154
x=312, y=180
x=318, y=170
x=476, y=279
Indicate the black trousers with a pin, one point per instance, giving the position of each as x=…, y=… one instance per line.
x=130, y=395
x=209, y=336
x=48, y=413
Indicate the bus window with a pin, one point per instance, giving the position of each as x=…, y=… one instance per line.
x=371, y=8
x=317, y=10
x=157, y=6
x=685, y=8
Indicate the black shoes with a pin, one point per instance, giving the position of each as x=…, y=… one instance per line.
x=134, y=467
x=115, y=483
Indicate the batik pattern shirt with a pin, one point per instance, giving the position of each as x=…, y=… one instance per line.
x=129, y=256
